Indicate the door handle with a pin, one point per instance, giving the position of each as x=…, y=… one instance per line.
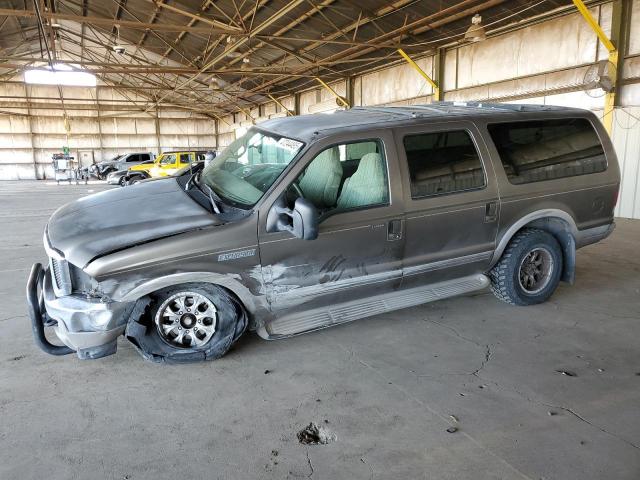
x=394, y=230
x=491, y=212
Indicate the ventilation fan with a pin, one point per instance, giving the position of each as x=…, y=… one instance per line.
x=597, y=79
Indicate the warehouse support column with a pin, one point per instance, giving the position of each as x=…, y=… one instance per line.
x=157, y=121
x=620, y=32
x=31, y=134
x=296, y=104
x=438, y=70
x=216, y=127
x=350, y=96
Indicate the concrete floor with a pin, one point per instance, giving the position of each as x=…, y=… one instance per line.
x=387, y=386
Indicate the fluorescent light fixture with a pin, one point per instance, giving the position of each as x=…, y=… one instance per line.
x=60, y=75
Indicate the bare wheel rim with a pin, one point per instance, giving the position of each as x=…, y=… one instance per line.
x=187, y=320
x=535, y=270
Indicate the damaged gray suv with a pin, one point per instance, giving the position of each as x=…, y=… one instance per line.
x=308, y=222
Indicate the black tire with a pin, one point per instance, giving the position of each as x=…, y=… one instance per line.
x=513, y=277
x=123, y=181
x=231, y=322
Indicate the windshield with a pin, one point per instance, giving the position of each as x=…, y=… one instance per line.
x=248, y=167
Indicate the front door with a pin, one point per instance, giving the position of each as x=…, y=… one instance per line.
x=451, y=199
x=358, y=252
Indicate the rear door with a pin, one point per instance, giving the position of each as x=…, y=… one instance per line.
x=128, y=161
x=182, y=160
x=451, y=198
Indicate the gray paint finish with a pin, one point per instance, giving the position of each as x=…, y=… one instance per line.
x=120, y=218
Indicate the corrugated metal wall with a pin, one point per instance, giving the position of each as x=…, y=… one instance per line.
x=626, y=139
x=32, y=130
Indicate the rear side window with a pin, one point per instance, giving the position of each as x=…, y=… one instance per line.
x=443, y=162
x=186, y=157
x=543, y=150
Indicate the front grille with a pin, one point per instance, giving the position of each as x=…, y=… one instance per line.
x=61, y=279
x=81, y=282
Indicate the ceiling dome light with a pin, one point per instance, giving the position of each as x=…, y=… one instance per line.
x=476, y=32
x=61, y=74
x=245, y=60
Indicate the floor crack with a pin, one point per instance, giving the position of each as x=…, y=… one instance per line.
x=370, y=467
x=309, y=463
x=566, y=409
x=487, y=348
x=430, y=409
x=487, y=357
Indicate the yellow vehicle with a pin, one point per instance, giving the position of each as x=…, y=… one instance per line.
x=165, y=164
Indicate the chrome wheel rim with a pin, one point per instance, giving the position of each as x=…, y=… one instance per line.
x=535, y=270
x=187, y=320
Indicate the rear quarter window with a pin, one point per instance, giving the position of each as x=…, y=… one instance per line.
x=541, y=150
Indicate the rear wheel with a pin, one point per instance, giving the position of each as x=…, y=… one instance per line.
x=529, y=270
x=123, y=181
x=188, y=323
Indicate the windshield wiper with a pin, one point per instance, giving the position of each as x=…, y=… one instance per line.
x=187, y=185
x=212, y=195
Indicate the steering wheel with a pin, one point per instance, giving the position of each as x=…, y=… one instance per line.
x=293, y=192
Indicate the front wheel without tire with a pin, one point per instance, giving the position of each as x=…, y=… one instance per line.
x=529, y=270
x=188, y=323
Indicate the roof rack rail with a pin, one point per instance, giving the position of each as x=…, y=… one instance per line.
x=512, y=107
x=393, y=110
x=430, y=108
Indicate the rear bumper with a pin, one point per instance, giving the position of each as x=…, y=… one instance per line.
x=594, y=235
x=87, y=326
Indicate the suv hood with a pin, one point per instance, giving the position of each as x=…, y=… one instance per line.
x=116, y=219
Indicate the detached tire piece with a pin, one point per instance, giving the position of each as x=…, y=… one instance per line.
x=220, y=317
x=529, y=270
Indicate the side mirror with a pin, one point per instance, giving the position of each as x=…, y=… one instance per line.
x=301, y=222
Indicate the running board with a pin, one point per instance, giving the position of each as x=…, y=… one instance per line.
x=309, y=321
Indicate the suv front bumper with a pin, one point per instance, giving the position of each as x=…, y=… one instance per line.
x=85, y=325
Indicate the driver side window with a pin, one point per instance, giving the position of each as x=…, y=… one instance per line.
x=168, y=160
x=346, y=176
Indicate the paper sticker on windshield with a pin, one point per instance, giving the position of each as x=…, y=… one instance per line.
x=289, y=144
